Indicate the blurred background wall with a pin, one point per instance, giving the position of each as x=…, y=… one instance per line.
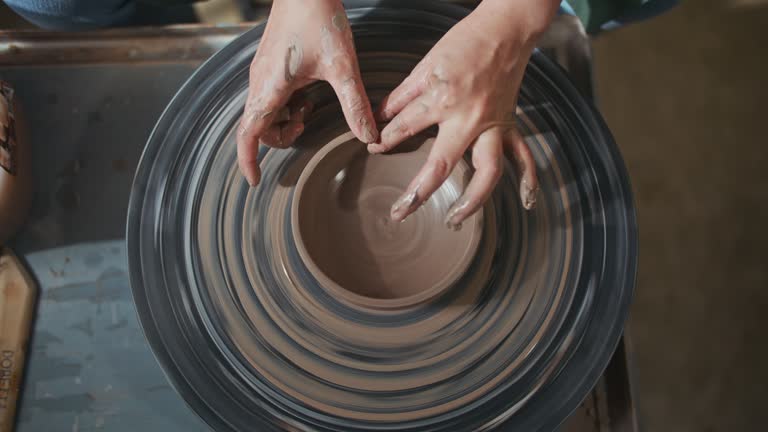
x=686, y=96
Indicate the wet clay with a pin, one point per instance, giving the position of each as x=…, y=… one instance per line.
x=293, y=58
x=347, y=239
x=15, y=165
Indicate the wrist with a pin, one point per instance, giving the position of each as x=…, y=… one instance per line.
x=522, y=19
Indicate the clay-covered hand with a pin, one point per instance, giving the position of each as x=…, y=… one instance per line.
x=467, y=85
x=304, y=41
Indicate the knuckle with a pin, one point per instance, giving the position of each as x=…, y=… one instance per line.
x=242, y=134
x=245, y=131
x=403, y=127
x=419, y=80
x=441, y=166
x=494, y=170
x=270, y=108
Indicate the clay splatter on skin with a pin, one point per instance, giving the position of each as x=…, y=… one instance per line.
x=251, y=115
x=528, y=194
x=339, y=21
x=328, y=47
x=269, y=87
x=293, y=59
x=404, y=204
x=400, y=129
x=440, y=89
x=454, y=226
x=256, y=106
x=333, y=46
x=452, y=219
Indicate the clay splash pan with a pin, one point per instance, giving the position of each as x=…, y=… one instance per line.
x=259, y=329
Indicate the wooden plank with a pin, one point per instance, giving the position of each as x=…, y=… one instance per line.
x=17, y=299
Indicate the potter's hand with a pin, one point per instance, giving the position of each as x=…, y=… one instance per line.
x=302, y=43
x=468, y=84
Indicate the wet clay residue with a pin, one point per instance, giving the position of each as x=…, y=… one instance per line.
x=339, y=21
x=293, y=58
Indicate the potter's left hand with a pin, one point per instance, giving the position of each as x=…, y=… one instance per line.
x=467, y=85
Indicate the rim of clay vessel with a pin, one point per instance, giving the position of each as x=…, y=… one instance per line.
x=474, y=224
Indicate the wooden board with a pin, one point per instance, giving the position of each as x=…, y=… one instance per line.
x=17, y=299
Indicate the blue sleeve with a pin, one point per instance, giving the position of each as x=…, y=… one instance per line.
x=598, y=15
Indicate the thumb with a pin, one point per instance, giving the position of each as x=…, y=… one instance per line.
x=356, y=106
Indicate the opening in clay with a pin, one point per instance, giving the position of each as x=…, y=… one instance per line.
x=345, y=233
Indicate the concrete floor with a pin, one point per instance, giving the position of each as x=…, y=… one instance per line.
x=685, y=95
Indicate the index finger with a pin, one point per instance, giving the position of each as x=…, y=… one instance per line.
x=265, y=98
x=446, y=152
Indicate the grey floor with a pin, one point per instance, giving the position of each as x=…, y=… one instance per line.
x=685, y=96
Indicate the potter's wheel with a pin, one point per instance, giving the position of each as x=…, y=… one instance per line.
x=252, y=340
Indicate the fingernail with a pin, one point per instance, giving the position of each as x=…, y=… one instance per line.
x=374, y=132
x=527, y=195
x=368, y=136
x=453, y=226
x=456, y=214
x=253, y=178
x=403, y=205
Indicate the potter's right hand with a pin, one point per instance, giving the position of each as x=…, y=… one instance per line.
x=303, y=42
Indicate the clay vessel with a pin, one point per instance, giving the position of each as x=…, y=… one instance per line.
x=345, y=237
